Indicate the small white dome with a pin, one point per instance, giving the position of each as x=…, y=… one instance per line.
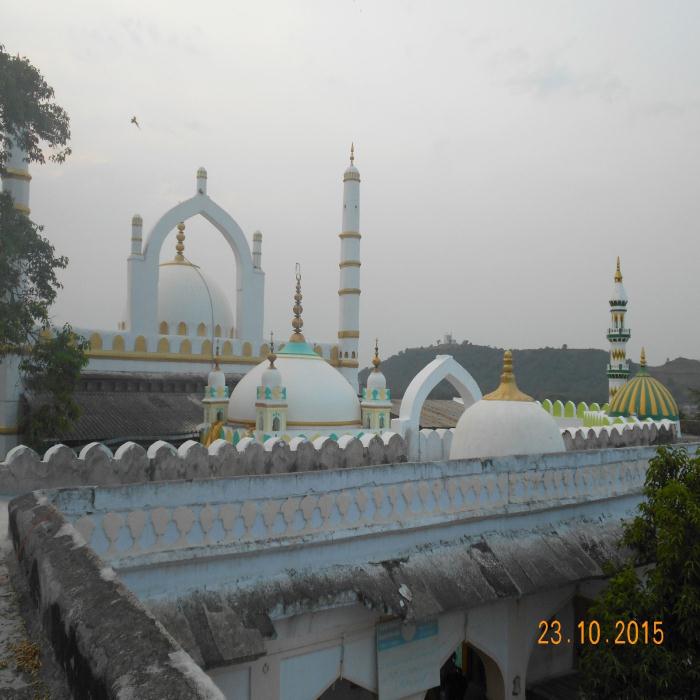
x=183, y=297
x=505, y=422
x=317, y=394
x=499, y=428
x=271, y=377
x=216, y=378
x=376, y=380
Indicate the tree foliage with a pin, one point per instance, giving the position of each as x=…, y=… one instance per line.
x=28, y=282
x=664, y=540
x=51, y=372
x=28, y=115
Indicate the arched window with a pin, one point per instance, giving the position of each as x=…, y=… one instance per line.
x=201, y=329
x=163, y=328
x=182, y=328
x=260, y=422
x=217, y=331
x=353, y=354
x=275, y=424
x=219, y=415
x=381, y=421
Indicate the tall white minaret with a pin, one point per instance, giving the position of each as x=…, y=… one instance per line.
x=618, y=335
x=349, y=291
x=16, y=179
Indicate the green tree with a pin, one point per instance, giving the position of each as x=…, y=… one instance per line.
x=28, y=282
x=660, y=583
x=28, y=115
x=51, y=361
x=51, y=372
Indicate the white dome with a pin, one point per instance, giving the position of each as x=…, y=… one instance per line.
x=505, y=422
x=182, y=297
x=317, y=394
x=216, y=378
x=376, y=380
x=499, y=428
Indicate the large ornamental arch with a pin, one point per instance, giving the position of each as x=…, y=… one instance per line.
x=442, y=367
x=143, y=269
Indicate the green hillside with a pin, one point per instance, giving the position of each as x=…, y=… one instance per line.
x=544, y=373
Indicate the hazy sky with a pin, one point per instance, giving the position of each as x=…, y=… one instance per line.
x=508, y=152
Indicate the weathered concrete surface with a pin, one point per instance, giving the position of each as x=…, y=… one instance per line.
x=106, y=642
x=16, y=627
x=218, y=628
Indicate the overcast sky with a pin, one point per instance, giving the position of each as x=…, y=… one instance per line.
x=508, y=152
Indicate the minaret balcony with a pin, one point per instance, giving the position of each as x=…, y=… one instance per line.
x=618, y=334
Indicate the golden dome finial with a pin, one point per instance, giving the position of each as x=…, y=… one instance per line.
x=180, y=247
x=375, y=360
x=508, y=388
x=217, y=358
x=352, y=153
x=643, y=358
x=297, y=322
x=618, y=273
x=271, y=355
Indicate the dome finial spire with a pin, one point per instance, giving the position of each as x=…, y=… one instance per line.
x=180, y=247
x=271, y=355
x=618, y=273
x=508, y=388
x=297, y=322
x=217, y=357
x=643, y=358
x=352, y=153
x=375, y=360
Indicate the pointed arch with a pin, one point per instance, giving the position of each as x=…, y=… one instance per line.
x=163, y=345
x=442, y=367
x=182, y=328
x=227, y=348
x=140, y=344
x=206, y=348
x=201, y=329
x=163, y=328
x=143, y=272
x=118, y=343
x=217, y=330
x=185, y=347
x=95, y=341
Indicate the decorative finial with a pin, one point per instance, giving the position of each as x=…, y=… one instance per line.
x=180, y=247
x=297, y=323
x=217, y=358
x=375, y=360
x=618, y=274
x=352, y=154
x=643, y=358
x=271, y=355
x=508, y=388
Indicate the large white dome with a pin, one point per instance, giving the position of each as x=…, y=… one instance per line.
x=317, y=394
x=183, y=298
x=505, y=422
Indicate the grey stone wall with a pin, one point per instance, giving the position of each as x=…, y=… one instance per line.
x=24, y=470
x=86, y=613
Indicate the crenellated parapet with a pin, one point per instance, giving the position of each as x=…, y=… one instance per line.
x=24, y=470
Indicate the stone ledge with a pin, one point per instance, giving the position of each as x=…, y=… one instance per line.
x=107, y=643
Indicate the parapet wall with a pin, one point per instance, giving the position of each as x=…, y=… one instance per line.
x=85, y=611
x=435, y=444
x=24, y=470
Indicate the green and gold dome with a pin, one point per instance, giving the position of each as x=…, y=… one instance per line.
x=644, y=397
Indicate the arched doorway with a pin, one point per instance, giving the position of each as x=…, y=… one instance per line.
x=443, y=367
x=468, y=674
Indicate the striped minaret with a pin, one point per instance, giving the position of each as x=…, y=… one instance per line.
x=349, y=291
x=618, y=335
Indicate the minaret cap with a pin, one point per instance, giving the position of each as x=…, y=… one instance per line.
x=508, y=388
x=618, y=273
x=375, y=360
x=136, y=220
x=297, y=322
x=202, y=172
x=271, y=355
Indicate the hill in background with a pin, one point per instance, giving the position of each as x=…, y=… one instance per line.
x=544, y=373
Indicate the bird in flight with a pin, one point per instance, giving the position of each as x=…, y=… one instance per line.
x=135, y=121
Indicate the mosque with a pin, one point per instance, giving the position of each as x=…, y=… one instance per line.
x=372, y=574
